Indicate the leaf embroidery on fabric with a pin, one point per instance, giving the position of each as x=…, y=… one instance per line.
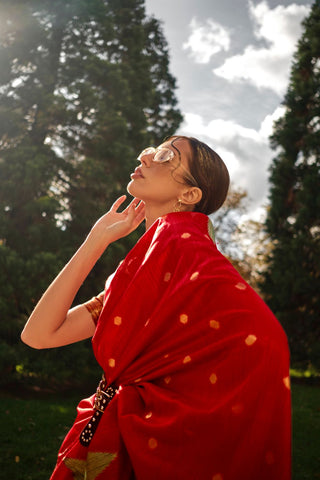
x=89, y=469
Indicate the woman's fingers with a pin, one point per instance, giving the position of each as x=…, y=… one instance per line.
x=140, y=210
x=135, y=213
x=118, y=202
x=132, y=204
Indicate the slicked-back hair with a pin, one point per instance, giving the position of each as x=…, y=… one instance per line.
x=210, y=173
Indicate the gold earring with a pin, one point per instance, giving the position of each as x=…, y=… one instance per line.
x=177, y=207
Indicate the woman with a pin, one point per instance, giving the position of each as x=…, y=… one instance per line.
x=196, y=367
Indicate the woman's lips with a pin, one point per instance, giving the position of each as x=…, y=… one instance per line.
x=137, y=173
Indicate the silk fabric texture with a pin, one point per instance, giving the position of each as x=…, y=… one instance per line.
x=202, y=367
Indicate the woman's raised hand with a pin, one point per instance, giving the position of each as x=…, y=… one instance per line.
x=115, y=224
x=52, y=323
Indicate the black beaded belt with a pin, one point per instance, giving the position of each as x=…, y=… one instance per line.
x=103, y=397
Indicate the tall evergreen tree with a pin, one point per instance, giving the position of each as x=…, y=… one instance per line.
x=84, y=85
x=292, y=282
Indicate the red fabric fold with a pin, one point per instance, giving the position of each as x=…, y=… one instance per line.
x=202, y=365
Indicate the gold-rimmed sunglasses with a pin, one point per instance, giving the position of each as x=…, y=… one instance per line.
x=163, y=155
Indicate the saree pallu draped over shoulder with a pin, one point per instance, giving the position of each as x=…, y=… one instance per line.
x=199, y=367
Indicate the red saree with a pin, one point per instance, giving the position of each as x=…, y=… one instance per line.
x=202, y=367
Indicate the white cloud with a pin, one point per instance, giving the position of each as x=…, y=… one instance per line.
x=219, y=130
x=246, y=152
x=269, y=66
x=266, y=127
x=206, y=39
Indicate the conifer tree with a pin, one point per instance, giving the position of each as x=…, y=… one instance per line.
x=292, y=281
x=84, y=86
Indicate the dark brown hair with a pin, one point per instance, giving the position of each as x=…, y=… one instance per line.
x=210, y=173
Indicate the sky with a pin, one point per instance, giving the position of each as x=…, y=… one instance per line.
x=232, y=60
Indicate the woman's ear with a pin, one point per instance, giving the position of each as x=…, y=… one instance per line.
x=191, y=196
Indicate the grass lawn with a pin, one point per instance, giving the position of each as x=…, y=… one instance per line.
x=306, y=432
x=33, y=429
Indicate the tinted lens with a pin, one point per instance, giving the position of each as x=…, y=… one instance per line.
x=163, y=155
x=146, y=151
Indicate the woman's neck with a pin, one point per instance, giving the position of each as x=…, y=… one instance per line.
x=154, y=212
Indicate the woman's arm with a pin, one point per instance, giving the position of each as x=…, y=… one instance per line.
x=51, y=323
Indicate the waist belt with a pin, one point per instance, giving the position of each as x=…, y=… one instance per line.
x=103, y=397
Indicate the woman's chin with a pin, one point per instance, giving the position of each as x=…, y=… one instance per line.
x=130, y=187
x=132, y=190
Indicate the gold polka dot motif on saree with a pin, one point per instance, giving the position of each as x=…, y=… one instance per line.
x=167, y=277
x=111, y=362
x=152, y=443
x=214, y=324
x=186, y=359
x=167, y=380
x=241, y=286
x=148, y=415
x=183, y=318
x=186, y=235
x=250, y=340
x=213, y=378
x=194, y=276
x=117, y=320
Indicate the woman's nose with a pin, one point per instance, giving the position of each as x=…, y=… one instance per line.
x=146, y=159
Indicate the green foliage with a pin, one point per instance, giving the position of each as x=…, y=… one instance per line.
x=59, y=367
x=292, y=281
x=84, y=86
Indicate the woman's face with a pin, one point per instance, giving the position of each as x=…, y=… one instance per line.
x=162, y=183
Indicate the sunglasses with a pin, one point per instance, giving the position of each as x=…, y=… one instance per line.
x=160, y=154
x=163, y=155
